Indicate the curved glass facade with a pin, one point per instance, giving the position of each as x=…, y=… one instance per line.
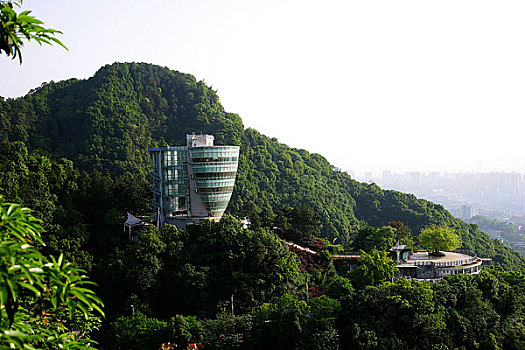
x=214, y=169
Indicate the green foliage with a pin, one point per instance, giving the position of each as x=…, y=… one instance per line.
x=507, y=231
x=227, y=332
x=50, y=287
x=185, y=330
x=439, y=238
x=303, y=219
x=338, y=287
x=391, y=316
x=196, y=271
x=403, y=234
x=15, y=28
x=461, y=312
x=292, y=324
x=137, y=332
x=370, y=238
x=374, y=267
x=109, y=121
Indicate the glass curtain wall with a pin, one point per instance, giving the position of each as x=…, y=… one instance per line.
x=174, y=179
x=215, y=169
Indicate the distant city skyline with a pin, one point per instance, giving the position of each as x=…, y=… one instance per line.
x=412, y=85
x=379, y=174
x=497, y=195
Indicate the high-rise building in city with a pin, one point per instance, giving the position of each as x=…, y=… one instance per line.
x=193, y=182
x=415, y=177
x=466, y=212
x=386, y=176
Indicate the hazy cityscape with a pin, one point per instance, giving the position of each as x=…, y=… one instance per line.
x=497, y=196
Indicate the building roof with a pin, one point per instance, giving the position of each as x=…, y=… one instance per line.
x=398, y=247
x=132, y=220
x=449, y=258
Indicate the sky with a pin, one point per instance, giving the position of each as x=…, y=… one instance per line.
x=370, y=85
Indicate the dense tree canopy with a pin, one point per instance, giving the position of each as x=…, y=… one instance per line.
x=461, y=312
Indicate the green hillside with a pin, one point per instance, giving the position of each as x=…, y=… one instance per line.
x=105, y=124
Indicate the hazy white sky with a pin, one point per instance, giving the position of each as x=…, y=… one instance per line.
x=370, y=85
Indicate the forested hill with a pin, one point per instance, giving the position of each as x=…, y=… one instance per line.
x=107, y=122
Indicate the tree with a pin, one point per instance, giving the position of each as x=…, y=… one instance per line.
x=403, y=233
x=184, y=330
x=280, y=325
x=370, y=238
x=374, y=267
x=211, y=261
x=226, y=332
x=338, y=287
x=439, y=238
x=55, y=292
x=400, y=315
x=15, y=28
x=137, y=332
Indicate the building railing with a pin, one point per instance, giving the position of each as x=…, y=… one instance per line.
x=223, y=163
x=469, y=258
x=451, y=263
